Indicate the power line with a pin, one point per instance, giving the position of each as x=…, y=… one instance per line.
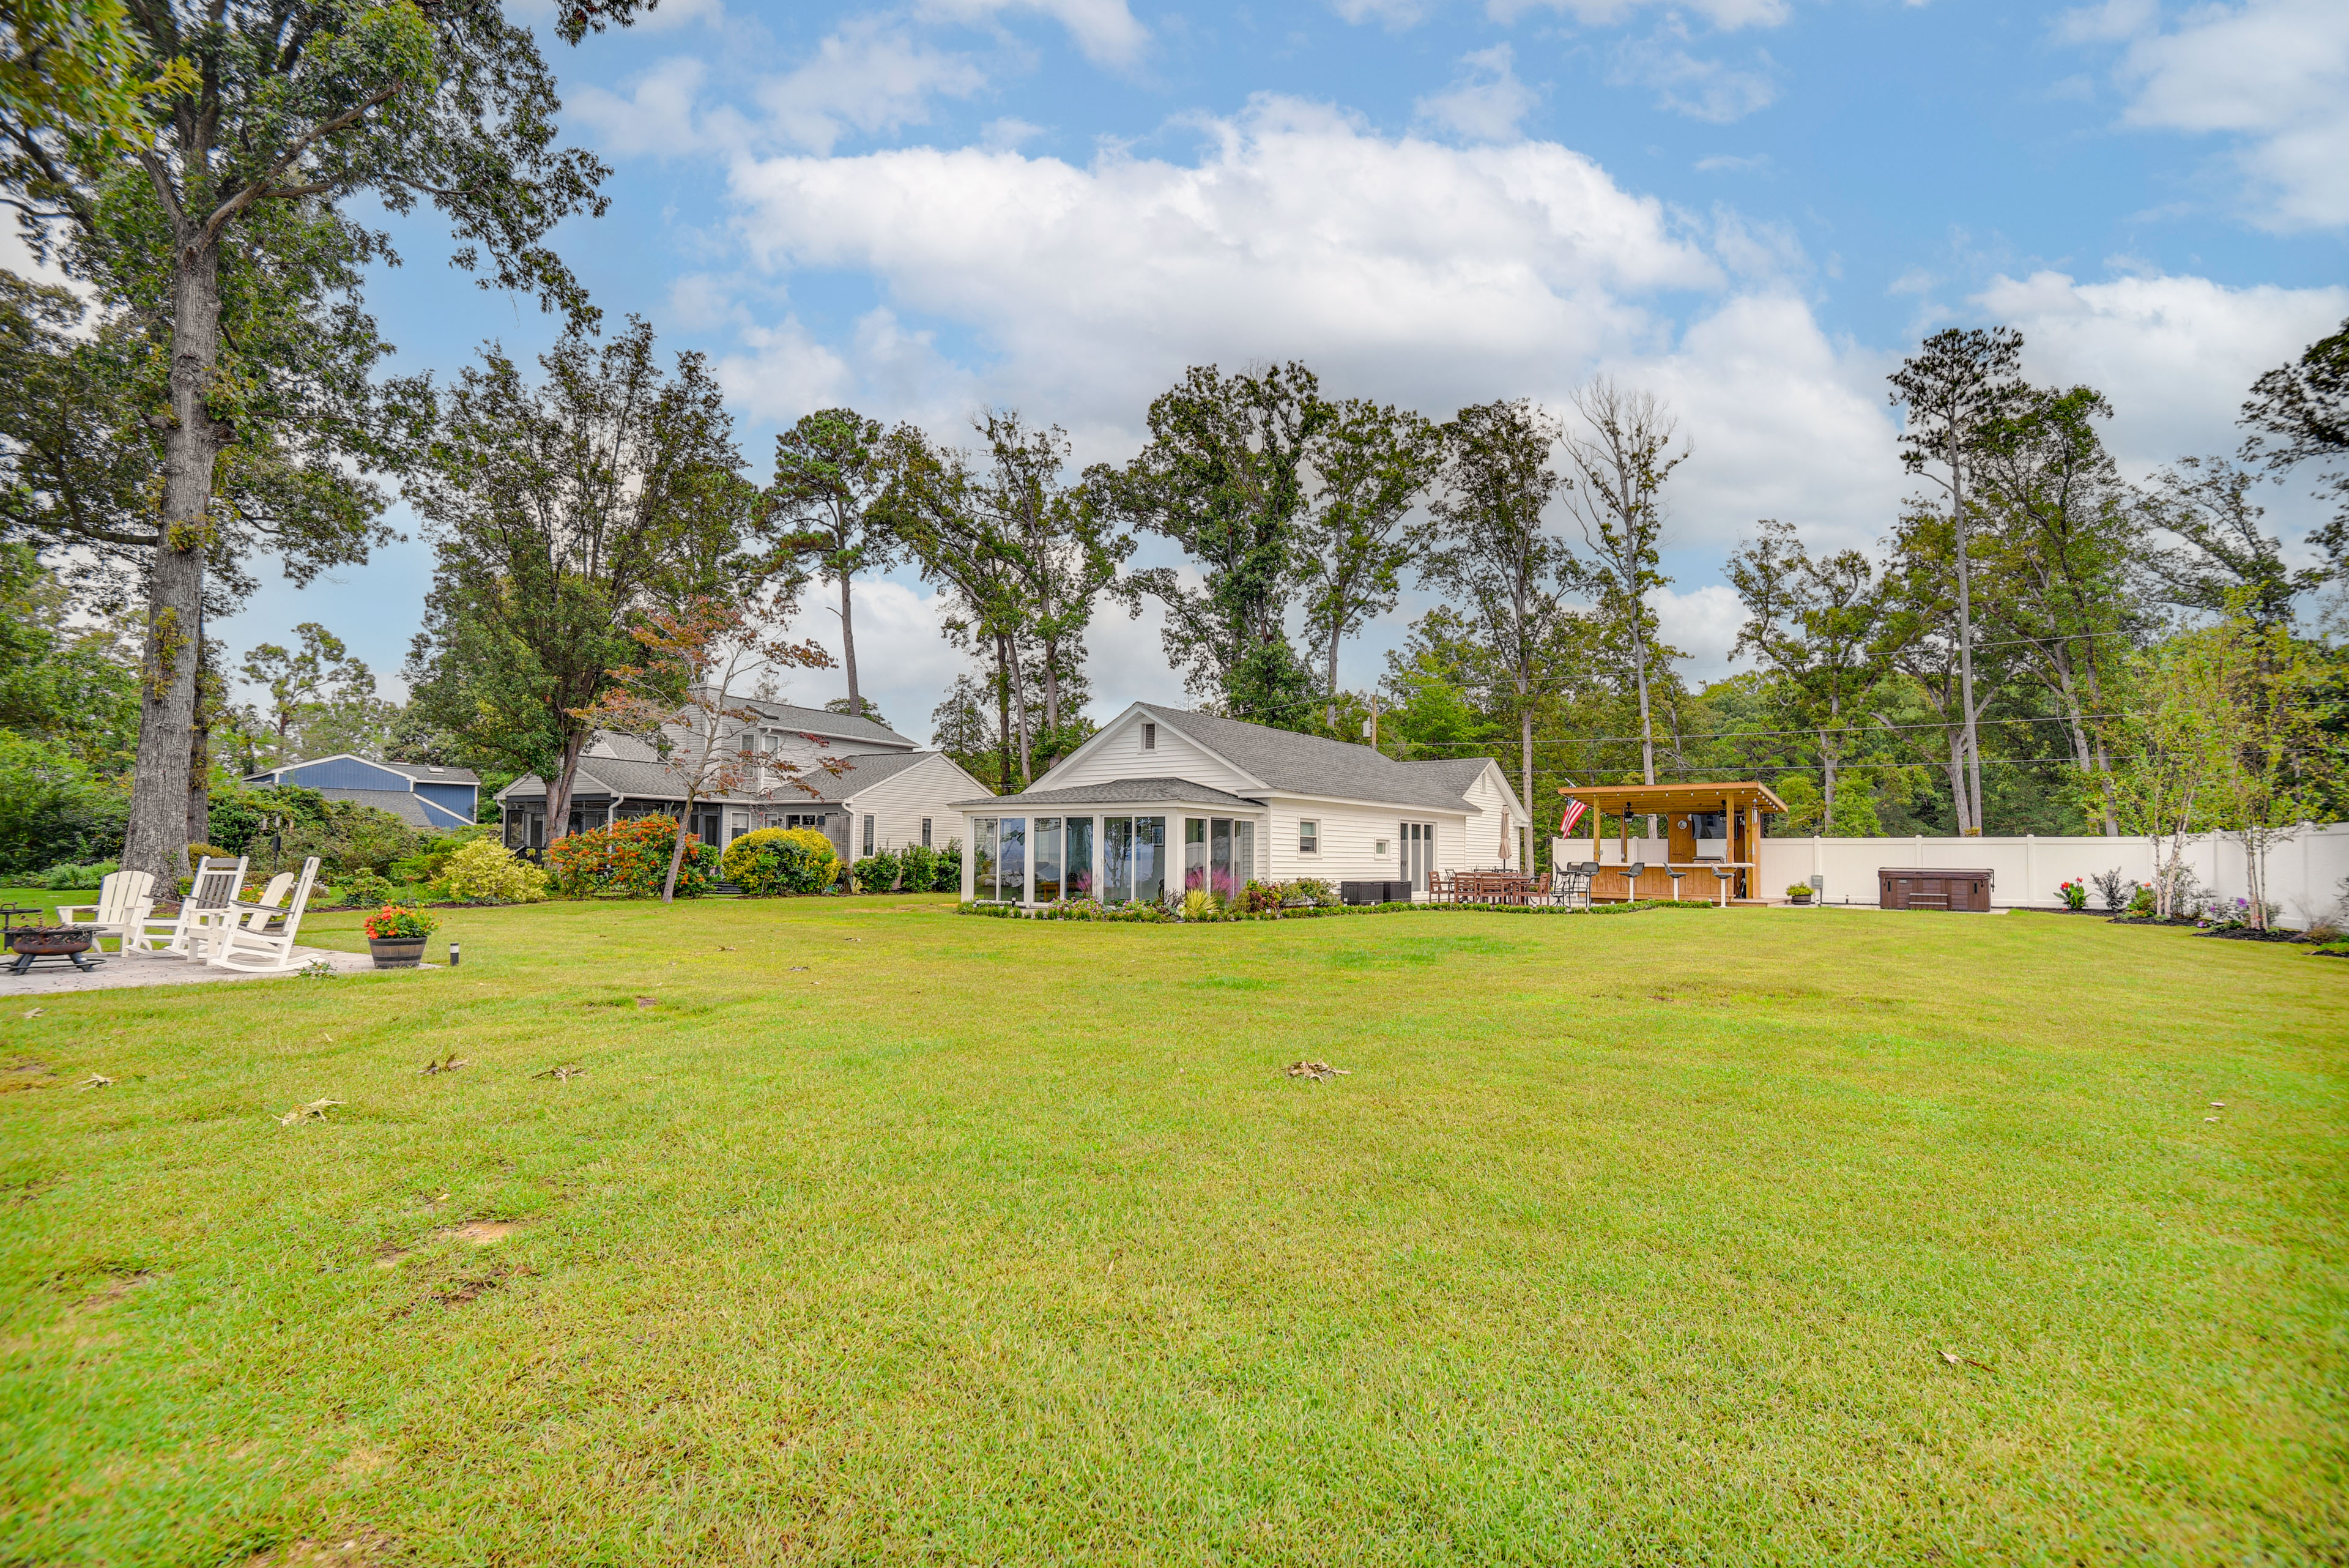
x=1768, y=734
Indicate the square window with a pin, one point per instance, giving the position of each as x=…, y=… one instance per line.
x=1309, y=837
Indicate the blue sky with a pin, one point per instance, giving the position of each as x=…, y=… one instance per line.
x=1752, y=207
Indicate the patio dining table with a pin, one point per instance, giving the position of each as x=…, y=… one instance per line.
x=1492, y=887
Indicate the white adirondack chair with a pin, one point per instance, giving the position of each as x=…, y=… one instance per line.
x=243, y=944
x=264, y=910
x=123, y=905
x=214, y=889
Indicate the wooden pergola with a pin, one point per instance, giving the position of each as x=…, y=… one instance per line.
x=1684, y=807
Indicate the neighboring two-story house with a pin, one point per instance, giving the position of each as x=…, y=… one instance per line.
x=886, y=792
x=423, y=797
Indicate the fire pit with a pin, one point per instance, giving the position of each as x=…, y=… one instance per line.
x=73, y=942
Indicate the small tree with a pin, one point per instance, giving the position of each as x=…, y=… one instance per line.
x=1957, y=385
x=1371, y=463
x=830, y=470
x=322, y=670
x=2170, y=752
x=1813, y=623
x=1617, y=498
x=686, y=701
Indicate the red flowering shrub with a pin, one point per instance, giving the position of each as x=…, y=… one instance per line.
x=630, y=856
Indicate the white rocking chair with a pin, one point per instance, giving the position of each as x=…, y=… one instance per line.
x=122, y=906
x=214, y=889
x=246, y=944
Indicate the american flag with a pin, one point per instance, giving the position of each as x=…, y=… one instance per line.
x=1574, y=810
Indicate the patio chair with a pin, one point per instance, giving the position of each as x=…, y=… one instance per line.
x=264, y=910
x=215, y=888
x=122, y=906
x=245, y=945
x=1573, y=884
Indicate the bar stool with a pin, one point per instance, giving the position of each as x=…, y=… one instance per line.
x=1631, y=879
x=1676, y=873
x=1722, y=875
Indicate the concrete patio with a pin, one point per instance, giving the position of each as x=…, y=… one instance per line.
x=128, y=970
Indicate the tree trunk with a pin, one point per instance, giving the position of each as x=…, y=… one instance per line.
x=1647, y=728
x=1826, y=785
x=677, y=851
x=1957, y=771
x=1525, y=770
x=1329, y=709
x=1969, y=814
x=199, y=778
x=558, y=789
x=848, y=649
x=155, y=839
x=1002, y=716
x=1020, y=705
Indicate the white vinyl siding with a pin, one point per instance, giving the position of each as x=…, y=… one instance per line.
x=1116, y=753
x=1350, y=839
x=898, y=805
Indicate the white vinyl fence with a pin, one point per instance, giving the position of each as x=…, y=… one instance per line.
x=2304, y=874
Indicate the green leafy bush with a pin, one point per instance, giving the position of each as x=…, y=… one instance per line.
x=364, y=887
x=344, y=835
x=71, y=878
x=917, y=868
x=53, y=809
x=768, y=862
x=483, y=870
x=946, y=872
x=877, y=873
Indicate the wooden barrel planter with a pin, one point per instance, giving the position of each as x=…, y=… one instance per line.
x=397, y=952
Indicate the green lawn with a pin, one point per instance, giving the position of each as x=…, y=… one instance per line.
x=1641, y=1240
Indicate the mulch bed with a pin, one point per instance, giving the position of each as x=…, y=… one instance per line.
x=2245, y=934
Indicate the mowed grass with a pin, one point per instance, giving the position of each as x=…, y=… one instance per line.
x=884, y=1234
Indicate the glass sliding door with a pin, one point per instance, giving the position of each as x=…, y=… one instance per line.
x=1117, y=860
x=1047, y=882
x=1149, y=859
x=982, y=859
x=1078, y=873
x=1219, y=857
x=1244, y=852
x=1418, y=846
x=1011, y=860
x=1194, y=853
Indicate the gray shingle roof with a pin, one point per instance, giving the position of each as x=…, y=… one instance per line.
x=401, y=803
x=1117, y=792
x=653, y=781
x=425, y=772
x=1455, y=774
x=819, y=721
x=858, y=773
x=1308, y=764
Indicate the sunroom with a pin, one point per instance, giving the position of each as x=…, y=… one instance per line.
x=1129, y=841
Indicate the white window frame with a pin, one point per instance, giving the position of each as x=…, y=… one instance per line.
x=1149, y=737
x=1308, y=836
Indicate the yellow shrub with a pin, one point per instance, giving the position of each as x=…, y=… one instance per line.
x=484, y=870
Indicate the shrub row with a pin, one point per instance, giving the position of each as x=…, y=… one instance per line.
x=917, y=869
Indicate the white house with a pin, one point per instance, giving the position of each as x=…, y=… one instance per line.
x=1161, y=799
x=887, y=793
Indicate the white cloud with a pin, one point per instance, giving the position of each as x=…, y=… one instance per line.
x=869, y=76
x=1701, y=89
x=1486, y=101
x=656, y=117
x=1396, y=268
x=1725, y=163
x=1703, y=623
x=1394, y=15
x=1104, y=29
x=1444, y=274
x=1726, y=15
x=785, y=372
x=2272, y=73
x=1786, y=423
x=2176, y=356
